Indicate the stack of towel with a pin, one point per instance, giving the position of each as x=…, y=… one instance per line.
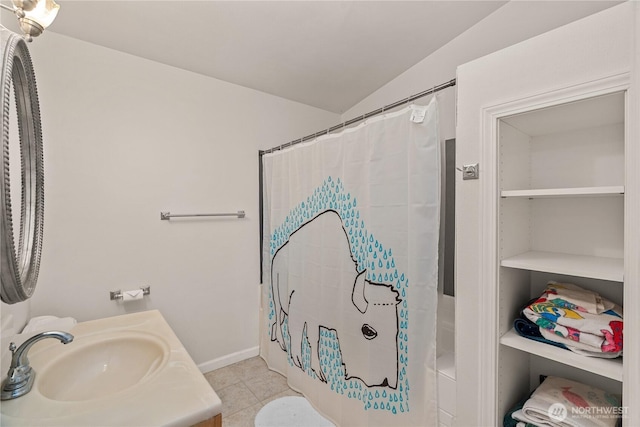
x=528, y=329
x=559, y=402
x=575, y=318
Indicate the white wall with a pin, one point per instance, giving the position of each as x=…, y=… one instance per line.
x=126, y=138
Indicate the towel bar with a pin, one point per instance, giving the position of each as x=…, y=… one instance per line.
x=169, y=215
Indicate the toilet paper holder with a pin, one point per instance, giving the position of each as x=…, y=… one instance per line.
x=117, y=295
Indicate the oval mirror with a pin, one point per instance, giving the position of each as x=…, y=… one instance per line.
x=22, y=208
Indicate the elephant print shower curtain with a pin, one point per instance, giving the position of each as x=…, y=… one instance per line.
x=350, y=270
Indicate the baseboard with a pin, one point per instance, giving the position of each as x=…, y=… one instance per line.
x=229, y=359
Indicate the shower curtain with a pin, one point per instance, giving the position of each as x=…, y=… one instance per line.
x=350, y=259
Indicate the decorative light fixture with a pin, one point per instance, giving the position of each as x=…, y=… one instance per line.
x=34, y=15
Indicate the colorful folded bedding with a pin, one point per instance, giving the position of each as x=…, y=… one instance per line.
x=577, y=347
x=582, y=318
x=526, y=328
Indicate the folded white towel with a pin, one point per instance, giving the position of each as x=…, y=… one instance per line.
x=49, y=323
x=41, y=324
x=524, y=420
x=559, y=402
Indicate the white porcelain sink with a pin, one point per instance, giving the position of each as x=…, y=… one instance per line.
x=103, y=364
x=128, y=370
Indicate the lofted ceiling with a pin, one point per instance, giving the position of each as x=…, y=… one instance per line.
x=327, y=54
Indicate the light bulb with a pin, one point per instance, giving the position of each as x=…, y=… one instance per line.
x=25, y=4
x=43, y=13
x=35, y=15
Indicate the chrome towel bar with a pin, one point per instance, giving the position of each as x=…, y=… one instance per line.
x=168, y=215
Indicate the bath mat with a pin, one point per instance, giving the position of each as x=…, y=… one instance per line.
x=290, y=411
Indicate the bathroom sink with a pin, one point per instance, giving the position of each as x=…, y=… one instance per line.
x=101, y=365
x=128, y=370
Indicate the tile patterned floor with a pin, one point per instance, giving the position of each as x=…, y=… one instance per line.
x=244, y=388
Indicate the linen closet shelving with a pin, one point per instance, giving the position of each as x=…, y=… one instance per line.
x=554, y=123
x=560, y=217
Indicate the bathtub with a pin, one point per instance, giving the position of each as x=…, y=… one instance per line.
x=445, y=361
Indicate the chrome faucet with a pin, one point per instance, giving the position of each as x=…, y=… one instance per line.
x=21, y=376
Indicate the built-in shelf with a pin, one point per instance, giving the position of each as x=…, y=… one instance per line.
x=571, y=265
x=615, y=190
x=610, y=368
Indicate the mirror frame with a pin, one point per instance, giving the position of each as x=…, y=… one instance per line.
x=19, y=268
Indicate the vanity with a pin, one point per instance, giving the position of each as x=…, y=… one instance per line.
x=118, y=371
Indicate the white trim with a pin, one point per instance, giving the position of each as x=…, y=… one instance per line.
x=631, y=373
x=601, y=86
x=229, y=359
x=489, y=194
x=489, y=268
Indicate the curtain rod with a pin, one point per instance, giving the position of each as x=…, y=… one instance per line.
x=411, y=98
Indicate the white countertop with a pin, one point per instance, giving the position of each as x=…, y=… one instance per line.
x=177, y=395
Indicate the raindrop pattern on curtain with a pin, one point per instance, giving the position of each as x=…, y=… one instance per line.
x=370, y=255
